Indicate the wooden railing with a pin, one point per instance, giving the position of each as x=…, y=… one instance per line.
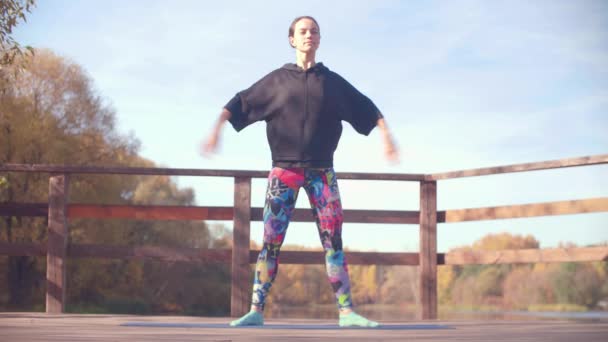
x=59, y=211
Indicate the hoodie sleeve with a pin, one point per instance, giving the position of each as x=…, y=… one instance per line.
x=357, y=109
x=252, y=104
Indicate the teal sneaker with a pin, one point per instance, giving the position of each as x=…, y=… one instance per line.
x=354, y=320
x=251, y=318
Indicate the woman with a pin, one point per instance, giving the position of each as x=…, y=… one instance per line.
x=303, y=105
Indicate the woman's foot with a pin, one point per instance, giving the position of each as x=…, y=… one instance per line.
x=251, y=318
x=352, y=319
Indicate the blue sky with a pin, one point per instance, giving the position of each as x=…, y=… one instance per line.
x=463, y=84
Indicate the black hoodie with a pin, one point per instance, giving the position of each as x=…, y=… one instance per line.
x=303, y=110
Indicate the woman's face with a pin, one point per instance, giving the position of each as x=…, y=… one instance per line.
x=306, y=36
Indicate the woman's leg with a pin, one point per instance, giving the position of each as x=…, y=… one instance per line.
x=281, y=195
x=324, y=196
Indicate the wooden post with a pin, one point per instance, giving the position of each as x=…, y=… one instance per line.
x=240, y=297
x=57, y=244
x=428, y=250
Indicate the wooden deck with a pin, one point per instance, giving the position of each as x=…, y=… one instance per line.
x=47, y=327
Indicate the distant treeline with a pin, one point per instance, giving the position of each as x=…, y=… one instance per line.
x=50, y=113
x=554, y=286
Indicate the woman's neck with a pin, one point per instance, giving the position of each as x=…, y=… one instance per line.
x=305, y=60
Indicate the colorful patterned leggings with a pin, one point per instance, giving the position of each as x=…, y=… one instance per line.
x=322, y=190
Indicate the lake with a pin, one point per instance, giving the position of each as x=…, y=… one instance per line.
x=407, y=313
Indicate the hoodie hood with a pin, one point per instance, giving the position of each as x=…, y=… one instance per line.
x=294, y=67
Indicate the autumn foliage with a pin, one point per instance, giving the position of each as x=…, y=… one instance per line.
x=51, y=113
x=522, y=287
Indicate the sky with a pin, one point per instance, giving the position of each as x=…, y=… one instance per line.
x=462, y=85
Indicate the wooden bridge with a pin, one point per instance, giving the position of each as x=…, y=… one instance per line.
x=16, y=327
x=59, y=210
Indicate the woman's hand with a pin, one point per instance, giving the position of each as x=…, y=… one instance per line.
x=210, y=145
x=391, y=152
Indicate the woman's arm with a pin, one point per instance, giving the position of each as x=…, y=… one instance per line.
x=390, y=148
x=210, y=145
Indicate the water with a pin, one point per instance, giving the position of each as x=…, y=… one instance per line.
x=589, y=315
x=408, y=313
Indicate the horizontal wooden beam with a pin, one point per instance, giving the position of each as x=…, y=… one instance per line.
x=352, y=258
x=153, y=171
x=156, y=212
x=149, y=171
x=24, y=209
x=545, y=165
x=205, y=255
x=352, y=216
x=225, y=213
x=412, y=177
x=138, y=212
x=149, y=212
x=578, y=254
x=159, y=212
x=525, y=210
x=23, y=249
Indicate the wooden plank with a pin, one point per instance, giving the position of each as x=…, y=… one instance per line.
x=352, y=216
x=57, y=244
x=23, y=249
x=24, y=209
x=190, y=172
x=205, y=255
x=303, y=215
x=381, y=216
x=34, y=326
x=159, y=212
x=240, y=296
x=428, y=250
x=150, y=171
x=397, y=326
x=226, y=213
x=545, y=165
x=525, y=210
x=381, y=176
x=579, y=254
x=149, y=212
x=353, y=258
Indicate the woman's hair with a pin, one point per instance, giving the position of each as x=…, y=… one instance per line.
x=292, y=27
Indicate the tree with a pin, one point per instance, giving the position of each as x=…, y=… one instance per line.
x=51, y=114
x=446, y=276
x=496, y=242
x=399, y=285
x=482, y=284
x=11, y=13
x=578, y=283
